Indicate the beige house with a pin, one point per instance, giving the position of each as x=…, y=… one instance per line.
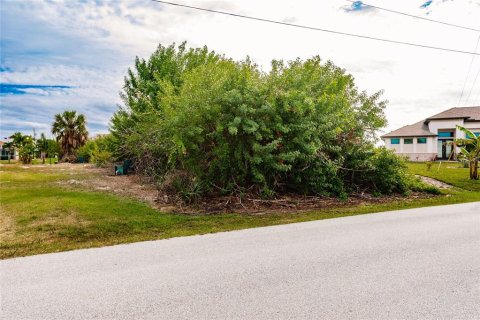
x=5, y=154
x=430, y=139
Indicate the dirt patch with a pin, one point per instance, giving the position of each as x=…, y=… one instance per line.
x=434, y=182
x=102, y=179
x=130, y=186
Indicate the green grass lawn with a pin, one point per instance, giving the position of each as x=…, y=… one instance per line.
x=449, y=172
x=38, y=214
x=34, y=161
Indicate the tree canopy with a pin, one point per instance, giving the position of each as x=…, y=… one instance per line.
x=204, y=123
x=71, y=132
x=25, y=146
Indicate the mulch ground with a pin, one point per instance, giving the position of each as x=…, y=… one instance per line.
x=283, y=204
x=134, y=186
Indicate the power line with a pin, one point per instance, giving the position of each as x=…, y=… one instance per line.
x=414, y=16
x=315, y=28
x=443, y=23
x=477, y=98
x=473, y=86
x=440, y=22
x=468, y=73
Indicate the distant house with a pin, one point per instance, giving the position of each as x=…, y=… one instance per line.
x=5, y=154
x=429, y=139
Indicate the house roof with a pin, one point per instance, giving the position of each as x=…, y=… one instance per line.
x=468, y=113
x=419, y=129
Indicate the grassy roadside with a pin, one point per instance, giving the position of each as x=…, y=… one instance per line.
x=39, y=215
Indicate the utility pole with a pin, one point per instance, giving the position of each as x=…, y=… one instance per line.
x=34, y=139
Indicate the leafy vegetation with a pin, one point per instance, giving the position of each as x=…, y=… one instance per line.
x=42, y=212
x=85, y=152
x=202, y=123
x=97, y=151
x=46, y=148
x=72, y=144
x=71, y=133
x=25, y=146
x=42, y=147
x=28, y=148
x=469, y=151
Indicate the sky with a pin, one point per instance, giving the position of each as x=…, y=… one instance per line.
x=67, y=54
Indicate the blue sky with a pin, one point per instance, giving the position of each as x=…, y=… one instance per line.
x=67, y=54
x=46, y=68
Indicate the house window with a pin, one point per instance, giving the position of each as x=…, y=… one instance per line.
x=395, y=141
x=408, y=141
x=477, y=134
x=421, y=140
x=445, y=134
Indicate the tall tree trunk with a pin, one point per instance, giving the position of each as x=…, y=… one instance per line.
x=471, y=164
x=475, y=170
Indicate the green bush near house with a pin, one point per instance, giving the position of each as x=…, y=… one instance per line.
x=389, y=174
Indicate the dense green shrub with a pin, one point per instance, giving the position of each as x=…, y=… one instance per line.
x=303, y=127
x=85, y=152
x=96, y=151
x=101, y=158
x=383, y=172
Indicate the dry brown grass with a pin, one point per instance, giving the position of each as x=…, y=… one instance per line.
x=7, y=226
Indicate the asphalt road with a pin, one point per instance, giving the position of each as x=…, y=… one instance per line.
x=411, y=264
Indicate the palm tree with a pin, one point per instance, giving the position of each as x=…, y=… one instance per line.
x=18, y=139
x=71, y=133
x=42, y=146
x=469, y=150
x=24, y=145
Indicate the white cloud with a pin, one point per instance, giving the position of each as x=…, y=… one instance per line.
x=417, y=82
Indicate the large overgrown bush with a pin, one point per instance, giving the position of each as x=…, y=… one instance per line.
x=228, y=127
